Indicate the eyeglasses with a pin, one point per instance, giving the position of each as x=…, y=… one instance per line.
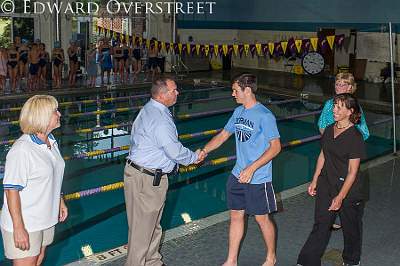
x=341, y=84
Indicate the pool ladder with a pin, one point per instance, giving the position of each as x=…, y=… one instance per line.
x=180, y=69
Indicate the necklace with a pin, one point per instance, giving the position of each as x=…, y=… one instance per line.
x=337, y=126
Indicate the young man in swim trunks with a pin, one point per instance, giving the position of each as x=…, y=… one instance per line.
x=249, y=187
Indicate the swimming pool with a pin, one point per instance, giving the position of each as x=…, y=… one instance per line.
x=100, y=220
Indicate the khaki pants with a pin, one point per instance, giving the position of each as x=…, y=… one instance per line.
x=144, y=207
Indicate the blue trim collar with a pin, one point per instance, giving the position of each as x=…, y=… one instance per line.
x=38, y=141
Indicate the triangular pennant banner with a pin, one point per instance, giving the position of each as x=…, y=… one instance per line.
x=176, y=48
x=241, y=50
x=258, y=49
x=192, y=49
x=180, y=47
x=306, y=45
x=206, y=49
x=323, y=44
x=265, y=48
x=292, y=47
x=236, y=49
x=198, y=49
x=211, y=50
x=271, y=48
x=278, y=49
x=284, y=46
x=167, y=46
x=220, y=50
x=339, y=39
x=252, y=49
x=188, y=48
x=331, y=40
x=225, y=49
x=216, y=50
x=246, y=49
x=202, y=50
x=230, y=49
x=314, y=43
x=298, y=45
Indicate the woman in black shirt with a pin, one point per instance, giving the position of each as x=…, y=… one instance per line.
x=337, y=185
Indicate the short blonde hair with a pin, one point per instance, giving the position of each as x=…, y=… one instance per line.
x=36, y=114
x=348, y=78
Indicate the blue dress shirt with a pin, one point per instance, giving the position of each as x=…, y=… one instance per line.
x=154, y=140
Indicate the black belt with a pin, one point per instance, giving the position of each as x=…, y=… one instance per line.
x=151, y=172
x=142, y=169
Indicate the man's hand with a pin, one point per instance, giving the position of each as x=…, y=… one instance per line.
x=21, y=238
x=201, y=155
x=246, y=175
x=312, y=189
x=336, y=203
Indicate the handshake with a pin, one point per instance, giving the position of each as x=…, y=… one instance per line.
x=201, y=154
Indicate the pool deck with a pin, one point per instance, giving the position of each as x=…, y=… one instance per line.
x=204, y=242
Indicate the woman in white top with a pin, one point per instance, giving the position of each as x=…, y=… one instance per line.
x=32, y=184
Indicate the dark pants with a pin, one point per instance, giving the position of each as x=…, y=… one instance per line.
x=161, y=63
x=350, y=215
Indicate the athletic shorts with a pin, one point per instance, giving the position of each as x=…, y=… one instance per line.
x=254, y=199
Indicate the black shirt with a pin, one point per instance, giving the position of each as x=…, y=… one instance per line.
x=337, y=152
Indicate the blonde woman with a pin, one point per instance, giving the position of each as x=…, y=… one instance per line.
x=344, y=84
x=32, y=184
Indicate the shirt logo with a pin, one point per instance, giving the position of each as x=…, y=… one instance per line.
x=244, y=129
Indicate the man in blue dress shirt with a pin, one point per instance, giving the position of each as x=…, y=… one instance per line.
x=249, y=187
x=155, y=152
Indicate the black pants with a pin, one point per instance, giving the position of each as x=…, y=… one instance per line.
x=350, y=215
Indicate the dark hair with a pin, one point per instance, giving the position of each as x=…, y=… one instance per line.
x=351, y=103
x=246, y=80
x=159, y=85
